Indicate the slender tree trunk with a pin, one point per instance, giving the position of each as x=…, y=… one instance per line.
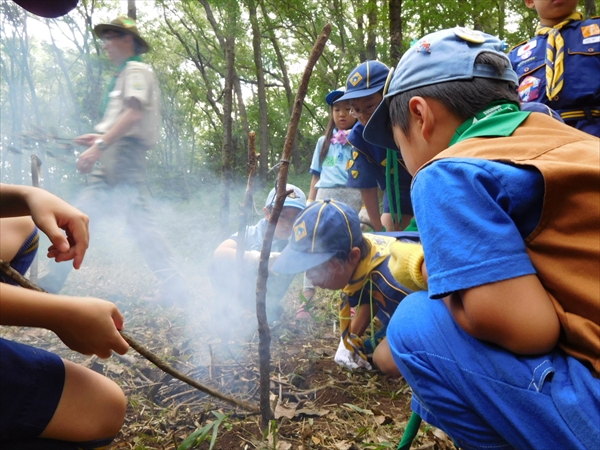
x=590, y=8
x=262, y=94
x=227, y=131
x=372, y=29
x=131, y=9
x=395, y=7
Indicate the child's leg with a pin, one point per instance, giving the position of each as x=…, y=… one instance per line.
x=91, y=407
x=485, y=396
x=382, y=357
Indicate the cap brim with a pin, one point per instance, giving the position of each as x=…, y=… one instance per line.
x=292, y=261
x=360, y=93
x=101, y=28
x=378, y=131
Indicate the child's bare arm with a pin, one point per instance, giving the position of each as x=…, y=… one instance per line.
x=516, y=314
x=86, y=325
x=53, y=216
x=362, y=319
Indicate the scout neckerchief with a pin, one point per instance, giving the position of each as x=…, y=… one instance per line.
x=555, y=54
x=499, y=118
x=379, y=250
x=113, y=80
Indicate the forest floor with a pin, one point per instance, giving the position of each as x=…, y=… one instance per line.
x=316, y=403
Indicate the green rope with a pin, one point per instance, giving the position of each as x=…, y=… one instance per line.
x=392, y=187
x=412, y=429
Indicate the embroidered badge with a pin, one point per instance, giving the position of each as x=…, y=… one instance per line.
x=355, y=79
x=349, y=164
x=354, y=173
x=526, y=48
x=137, y=80
x=384, y=162
x=590, y=30
x=300, y=231
x=529, y=89
x=354, y=154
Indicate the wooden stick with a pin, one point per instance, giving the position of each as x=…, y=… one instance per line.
x=162, y=365
x=264, y=332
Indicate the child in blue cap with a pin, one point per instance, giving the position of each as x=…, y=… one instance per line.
x=374, y=272
x=502, y=350
x=560, y=65
x=370, y=166
x=223, y=269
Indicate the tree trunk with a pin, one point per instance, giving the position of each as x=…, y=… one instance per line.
x=131, y=9
x=262, y=94
x=395, y=7
x=227, y=131
x=372, y=29
x=590, y=8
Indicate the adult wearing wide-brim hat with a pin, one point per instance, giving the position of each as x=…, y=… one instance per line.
x=124, y=25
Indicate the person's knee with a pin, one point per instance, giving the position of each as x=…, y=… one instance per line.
x=382, y=358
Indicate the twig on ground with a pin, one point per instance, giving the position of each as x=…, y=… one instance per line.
x=24, y=282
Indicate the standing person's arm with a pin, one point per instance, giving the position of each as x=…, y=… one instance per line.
x=371, y=202
x=132, y=114
x=312, y=194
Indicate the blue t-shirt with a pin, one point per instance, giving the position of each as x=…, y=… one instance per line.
x=581, y=89
x=473, y=217
x=332, y=172
x=366, y=169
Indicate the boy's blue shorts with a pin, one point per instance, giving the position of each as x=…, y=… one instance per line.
x=31, y=384
x=484, y=396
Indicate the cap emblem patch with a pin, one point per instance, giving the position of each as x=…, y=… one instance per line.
x=300, y=231
x=355, y=78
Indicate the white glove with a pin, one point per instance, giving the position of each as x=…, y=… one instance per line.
x=253, y=257
x=350, y=360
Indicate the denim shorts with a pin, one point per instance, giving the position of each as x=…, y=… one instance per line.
x=484, y=396
x=31, y=384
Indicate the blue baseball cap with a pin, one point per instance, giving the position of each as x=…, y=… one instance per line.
x=324, y=229
x=334, y=95
x=365, y=79
x=447, y=55
x=296, y=199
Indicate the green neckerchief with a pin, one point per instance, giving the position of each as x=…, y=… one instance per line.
x=113, y=80
x=499, y=118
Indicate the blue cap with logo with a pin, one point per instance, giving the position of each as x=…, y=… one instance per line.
x=326, y=228
x=295, y=199
x=334, y=95
x=447, y=55
x=365, y=79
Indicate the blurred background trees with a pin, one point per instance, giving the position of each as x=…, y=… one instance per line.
x=225, y=67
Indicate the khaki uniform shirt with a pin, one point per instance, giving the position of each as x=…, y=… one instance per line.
x=136, y=80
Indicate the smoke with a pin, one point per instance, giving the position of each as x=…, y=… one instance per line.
x=115, y=268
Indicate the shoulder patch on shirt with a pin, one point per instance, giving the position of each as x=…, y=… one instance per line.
x=529, y=89
x=525, y=50
x=354, y=154
x=354, y=173
x=137, y=80
x=349, y=164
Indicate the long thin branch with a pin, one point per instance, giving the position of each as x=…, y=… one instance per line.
x=264, y=354
x=162, y=365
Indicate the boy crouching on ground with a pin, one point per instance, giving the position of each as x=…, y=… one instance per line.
x=373, y=271
x=508, y=207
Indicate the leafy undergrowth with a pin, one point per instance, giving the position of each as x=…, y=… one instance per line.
x=317, y=404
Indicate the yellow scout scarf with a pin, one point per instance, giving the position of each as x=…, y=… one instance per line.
x=555, y=54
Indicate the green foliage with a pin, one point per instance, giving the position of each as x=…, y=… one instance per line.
x=201, y=434
x=54, y=75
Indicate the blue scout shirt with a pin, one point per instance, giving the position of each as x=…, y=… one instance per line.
x=578, y=102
